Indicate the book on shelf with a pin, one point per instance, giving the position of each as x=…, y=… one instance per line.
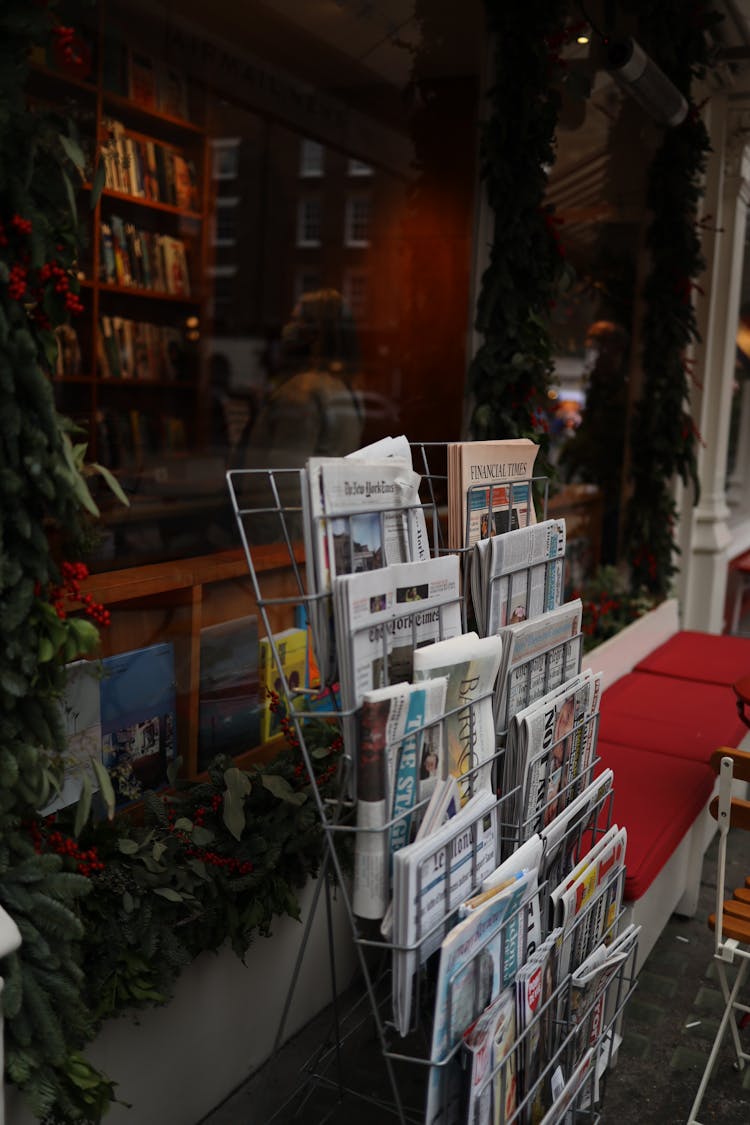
x=68, y=359
x=172, y=92
x=138, y=716
x=400, y=759
x=140, y=350
x=291, y=646
x=140, y=259
x=229, y=707
x=148, y=169
x=489, y=489
x=142, y=79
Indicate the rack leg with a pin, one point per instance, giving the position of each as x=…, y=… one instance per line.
x=322, y=878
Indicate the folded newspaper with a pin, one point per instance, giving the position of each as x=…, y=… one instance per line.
x=482, y=498
x=400, y=760
x=431, y=878
x=517, y=576
x=538, y=655
x=550, y=749
x=360, y=514
x=381, y=616
x=489, y=1046
x=471, y=665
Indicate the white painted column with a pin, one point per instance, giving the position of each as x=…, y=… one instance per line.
x=705, y=535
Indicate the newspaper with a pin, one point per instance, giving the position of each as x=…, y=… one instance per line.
x=471, y=665
x=518, y=576
x=400, y=758
x=442, y=806
x=551, y=744
x=380, y=617
x=488, y=1045
x=482, y=500
x=431, y=877
x=536, y=984
x=538, y=655
x=478, y=958
x=359, y=515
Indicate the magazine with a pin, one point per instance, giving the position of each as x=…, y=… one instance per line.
x=536, y=984
x=431, y=877
x=400, y=756
x=478, y=958
x=518, y=576
x=588, y=902
x=538, y=655
x=526, y=858
x=563, y=834
x=471, y=665
x=482, y=500
x=491, y=1066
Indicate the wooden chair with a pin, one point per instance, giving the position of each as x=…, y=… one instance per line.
x=731, y=921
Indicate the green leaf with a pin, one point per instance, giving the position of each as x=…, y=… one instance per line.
x=71, y=196
x=158, y=850
x=83, y=808
x=112, y=482
x=169, y=894
x=238, y=787
x=73, y=151
x=105, y=785
x=46, y=650
x=281, y=788
x=182, y=824
x=127, y=846
x=98, y=185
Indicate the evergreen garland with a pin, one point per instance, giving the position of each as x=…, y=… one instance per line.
x=663, y=437
x=509, y=376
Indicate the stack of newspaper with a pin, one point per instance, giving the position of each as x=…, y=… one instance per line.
x=482, y=498
x=518, y=576
x=360, y=513
x=382, y=616
x=401, y=757
x=538, y=655
x=550, y=752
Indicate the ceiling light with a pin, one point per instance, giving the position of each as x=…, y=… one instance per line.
x=582, y=39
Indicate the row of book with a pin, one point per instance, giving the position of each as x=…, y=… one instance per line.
x=128, y=439
x=148, y=82
x=148, y=169
x=134, y=349
x=143, y=259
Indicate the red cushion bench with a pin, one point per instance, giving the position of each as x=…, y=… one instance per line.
x=667, y=705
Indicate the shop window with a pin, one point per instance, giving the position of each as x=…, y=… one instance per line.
x=225, y=221
x=359, y=168
x=226, y=151
x=311, y=158
x=358, y=213
x=355, y=291
x=309, y=216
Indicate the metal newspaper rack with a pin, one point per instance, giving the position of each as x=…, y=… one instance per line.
x=268, y=507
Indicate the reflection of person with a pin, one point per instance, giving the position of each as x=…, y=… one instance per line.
x=312, y=410
x=518, y=614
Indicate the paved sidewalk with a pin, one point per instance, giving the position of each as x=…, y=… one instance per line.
x=667, y=1031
